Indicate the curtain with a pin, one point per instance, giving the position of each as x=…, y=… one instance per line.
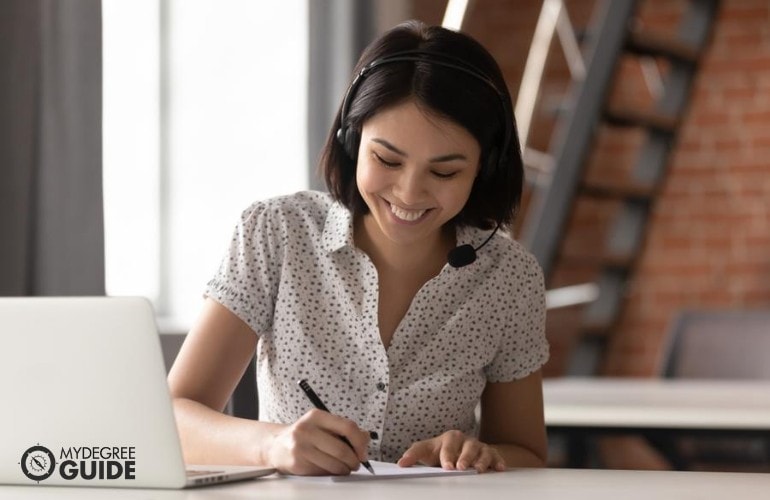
x=51, y=215
x=339, y=31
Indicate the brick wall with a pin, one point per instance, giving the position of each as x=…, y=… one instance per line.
x=708, y=244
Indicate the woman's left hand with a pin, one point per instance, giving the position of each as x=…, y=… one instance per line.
x=453, y=450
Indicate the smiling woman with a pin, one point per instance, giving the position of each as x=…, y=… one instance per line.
x=351, y=290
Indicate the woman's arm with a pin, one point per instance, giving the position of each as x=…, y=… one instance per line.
x=512, y=421
x=207, y=369
x=512, y=432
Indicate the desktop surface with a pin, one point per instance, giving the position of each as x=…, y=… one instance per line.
x=530, y=484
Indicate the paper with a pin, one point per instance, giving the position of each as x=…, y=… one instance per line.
x=386, y=470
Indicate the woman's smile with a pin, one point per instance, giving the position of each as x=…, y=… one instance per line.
x=407, y=215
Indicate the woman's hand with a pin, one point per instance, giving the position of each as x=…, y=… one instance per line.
x=453, y=450
x=312, y=446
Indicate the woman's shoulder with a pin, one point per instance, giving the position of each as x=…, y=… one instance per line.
x=507, y=258
x=514, y=271
x=307, y=205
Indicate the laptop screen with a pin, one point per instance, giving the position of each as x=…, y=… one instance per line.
x=87, y=393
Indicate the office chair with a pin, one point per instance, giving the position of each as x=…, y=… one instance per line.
x=719, y=345
x=244, y=403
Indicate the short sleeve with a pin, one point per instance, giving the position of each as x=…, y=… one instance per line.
x=247, y=280
x=523, y=345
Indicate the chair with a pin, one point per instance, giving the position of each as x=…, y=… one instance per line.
x=243, y=402
x=719, y=344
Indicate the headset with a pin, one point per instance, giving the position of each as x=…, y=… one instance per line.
x=349, y=138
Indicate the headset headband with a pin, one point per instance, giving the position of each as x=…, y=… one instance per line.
x=438, y=59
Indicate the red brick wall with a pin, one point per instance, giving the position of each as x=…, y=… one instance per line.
x=708, y=243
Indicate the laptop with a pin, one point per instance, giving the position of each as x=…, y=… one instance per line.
x=86, y=401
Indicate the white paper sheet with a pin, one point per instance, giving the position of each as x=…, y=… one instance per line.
x=386, y=470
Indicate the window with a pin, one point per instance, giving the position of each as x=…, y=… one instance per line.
x=204, y=112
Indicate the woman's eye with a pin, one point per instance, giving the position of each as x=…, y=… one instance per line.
x=383, y=161
x=444, y=175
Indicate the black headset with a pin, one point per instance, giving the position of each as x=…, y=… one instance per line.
x=350, y=138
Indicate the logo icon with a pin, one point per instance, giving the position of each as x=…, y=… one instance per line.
x=38, y=463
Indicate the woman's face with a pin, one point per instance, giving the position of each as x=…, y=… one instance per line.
x=415, y=172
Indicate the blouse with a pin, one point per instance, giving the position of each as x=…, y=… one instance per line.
x=294, y=275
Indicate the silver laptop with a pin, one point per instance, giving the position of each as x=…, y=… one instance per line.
x=85, y=400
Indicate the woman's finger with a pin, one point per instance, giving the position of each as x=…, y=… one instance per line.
x=340, y=427
x=421, y=451
x=451, y=445
x=317, y=439
x=485, y=459
x=469, y=454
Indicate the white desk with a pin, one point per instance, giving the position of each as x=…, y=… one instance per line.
x=558, y=484
x=657, y=404
x=654, y=408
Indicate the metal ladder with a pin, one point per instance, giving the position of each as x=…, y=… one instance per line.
x=612, y=36
x=558, y=177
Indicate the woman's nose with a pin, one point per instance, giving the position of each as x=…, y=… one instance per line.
x=409, y=187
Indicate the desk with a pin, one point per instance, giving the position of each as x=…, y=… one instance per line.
x=531, y=484
x=577, y=407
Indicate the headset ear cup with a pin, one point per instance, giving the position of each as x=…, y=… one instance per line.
x=490, y=165
x=342, y=138
x=351, y=142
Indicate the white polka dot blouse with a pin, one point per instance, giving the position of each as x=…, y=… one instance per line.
x=294, y=276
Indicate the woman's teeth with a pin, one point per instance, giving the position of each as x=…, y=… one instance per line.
x=406, y=215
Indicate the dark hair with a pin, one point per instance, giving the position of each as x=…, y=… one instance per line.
x=448, y=92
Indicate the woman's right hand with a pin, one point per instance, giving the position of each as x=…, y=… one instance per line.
x=207, y=369
x=312, y=446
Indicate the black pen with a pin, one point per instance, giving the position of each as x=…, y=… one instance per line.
x=313, y=397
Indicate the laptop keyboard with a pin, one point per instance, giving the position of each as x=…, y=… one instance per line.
x=196, y=473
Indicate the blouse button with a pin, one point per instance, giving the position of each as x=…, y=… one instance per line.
x=381, y=386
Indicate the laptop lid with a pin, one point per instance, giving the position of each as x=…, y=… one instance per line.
x=87, y=398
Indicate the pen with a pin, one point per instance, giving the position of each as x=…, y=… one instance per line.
x=313, y=397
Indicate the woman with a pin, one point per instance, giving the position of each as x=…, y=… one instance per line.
x=351, y=290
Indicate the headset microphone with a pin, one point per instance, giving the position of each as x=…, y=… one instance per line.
x=465, y=254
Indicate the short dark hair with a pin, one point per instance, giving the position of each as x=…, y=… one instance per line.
x=462, y=98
